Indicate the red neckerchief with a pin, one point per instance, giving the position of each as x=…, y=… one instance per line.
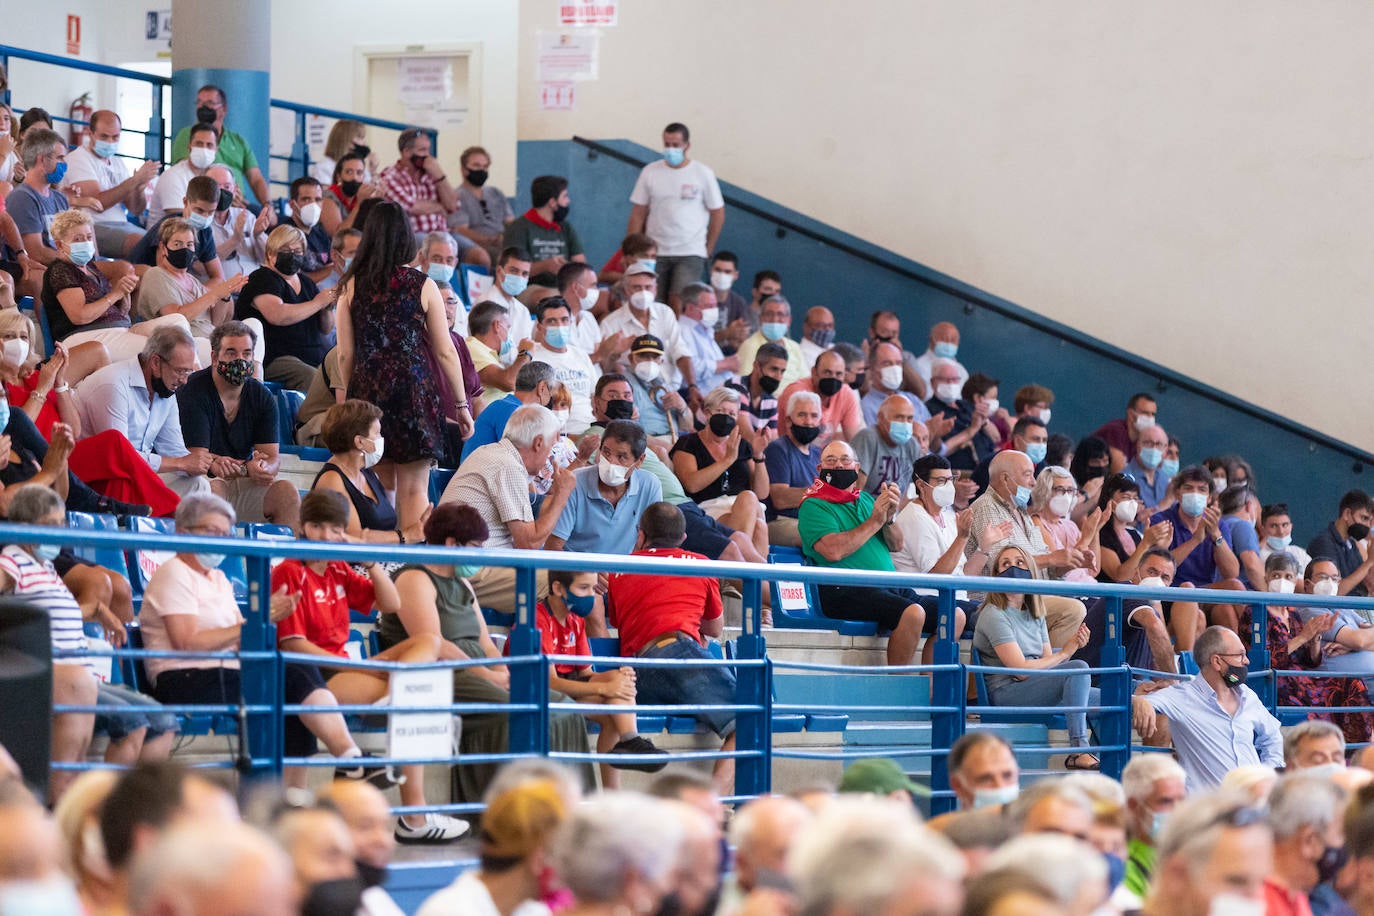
x=821, y=490
x=348, y=202
x=533, y=216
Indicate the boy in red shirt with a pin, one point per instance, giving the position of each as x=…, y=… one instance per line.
x=562, y=631
x=325, y=591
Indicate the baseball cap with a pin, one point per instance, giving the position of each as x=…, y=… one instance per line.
x=639, y=267
x=879, y=776
x=647, y=343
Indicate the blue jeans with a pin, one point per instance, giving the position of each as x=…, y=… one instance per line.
x=689, y=684
x=1047, y=690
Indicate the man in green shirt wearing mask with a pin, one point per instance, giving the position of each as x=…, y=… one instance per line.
x=234, y=151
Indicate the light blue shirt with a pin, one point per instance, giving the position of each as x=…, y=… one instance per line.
x=1150, y=494
x=116, y=397
x=875, y=397
x=490, y=424
x=651, y=416
x=590, y=524
x=1356, y=661
x=1211, y=743
x=699, y=345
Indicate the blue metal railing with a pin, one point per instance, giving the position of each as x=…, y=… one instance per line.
x=156, y=135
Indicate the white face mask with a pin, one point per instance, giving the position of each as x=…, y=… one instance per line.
x=648, y=370
x=1144, y=422
x=1125, y=510
x=709, y=316
x=949, y=392
x=1045, y=415
x=722, y=281
x=642, y=300
x=1281, y=586
x=1235, y=905
x=1152, y=582
x=372, y=457
x=201, y=157
x=16, y=351
x=943, y=495
x=1326, y=588
x=1219, y=483
x=310, y=214
x=891, y=377
x=1062, y=504
x=611, y=474
x=589, y=300
x=993, y=404
x=562, y=416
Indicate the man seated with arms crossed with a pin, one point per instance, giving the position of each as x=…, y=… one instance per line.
x=231, y=417
x=325, y=592
x=669, y=617
x=792, y=460
x=842, y=526
x=1217, y=722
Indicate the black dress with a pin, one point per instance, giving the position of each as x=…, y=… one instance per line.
x=375, y=511
x=391, y=368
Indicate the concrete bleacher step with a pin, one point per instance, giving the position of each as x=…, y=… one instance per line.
x=918, y=733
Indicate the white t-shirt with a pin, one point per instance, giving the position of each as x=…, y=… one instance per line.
x=924, y=542
x=468, y=895
x=810, y=351
x=170, y=192
x=575, y=370
x=586, y=333
x=679, y=202
x=84, y=165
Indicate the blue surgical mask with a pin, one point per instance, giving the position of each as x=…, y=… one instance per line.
x=1279, y=544
x=899, y=431
x=505, y=348
x=1036, y=451
x=513, y=285
x=82, y=253
x=198, y=221
x=47, y=552
x=651, y=263
x=946, y=350
x=439, y=273
x=581, y=605
x=210, y=560
x=674, y=155
x=104, y=148
x=466, y=572
x=1193, y=504
x=4, y=414
x=1169, y=466
x=1022, y=497
x=348, y=262
x=1150, y=458
x=1157, y=821
x=773, y=330
x=556, y=336
x=1003, y=795
x=57, y=174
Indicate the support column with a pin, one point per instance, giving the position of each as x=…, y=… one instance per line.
x=226, y=45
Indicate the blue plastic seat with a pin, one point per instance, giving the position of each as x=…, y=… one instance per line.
x=810, y=617
x=111, y=558
x=464, y=272
x=438, y=482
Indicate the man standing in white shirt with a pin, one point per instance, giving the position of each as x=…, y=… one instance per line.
x=97, y=172
x=677, y=203
x=645, y=316
x=571, y=366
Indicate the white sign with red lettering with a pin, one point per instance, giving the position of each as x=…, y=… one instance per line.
x=588, y=12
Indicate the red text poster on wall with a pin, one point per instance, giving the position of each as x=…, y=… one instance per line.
x=73, y=34
x=588, y=12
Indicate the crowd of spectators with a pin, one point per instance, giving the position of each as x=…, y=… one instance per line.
x=645, y=408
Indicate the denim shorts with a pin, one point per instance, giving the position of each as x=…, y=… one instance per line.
x=118, y=726
x=688, y=684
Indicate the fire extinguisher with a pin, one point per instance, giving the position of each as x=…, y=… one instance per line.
x=80, y=112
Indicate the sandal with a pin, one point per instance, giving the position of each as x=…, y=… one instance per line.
x=1072, y=762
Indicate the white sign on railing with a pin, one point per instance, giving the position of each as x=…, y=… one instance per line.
x=420, y=734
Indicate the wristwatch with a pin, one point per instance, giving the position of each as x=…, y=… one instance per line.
x=1218, y=541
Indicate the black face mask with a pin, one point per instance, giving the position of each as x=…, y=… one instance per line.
x=370, y=875
x=477, y=177
x=1015, y=572
x=829, y=387
x=418, y=162
x=331, y=898
x=226, y=200
x=720, y=424
x=360, y=150
x=1234, y=675
x=180, y=258
x=1357, y=531
x=1330, y=864
x=858, y=380
x=1092, y=473
x=769, y=384
x=619, y=410
x=560, y=214
x=350, y=188
x=159, y=386
x=805, y=435
x=205, y=114
x=287, y=262
x=840, y=478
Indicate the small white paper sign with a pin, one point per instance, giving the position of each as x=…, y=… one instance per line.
x=570, y=55
x=420, y=734
x=791, y=595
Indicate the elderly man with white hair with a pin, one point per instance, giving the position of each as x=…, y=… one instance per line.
x=1068, y=868
x=792, y=460
x=439, y=257
x=618, y=852
x=1214, y=854
x=762, y=833
x=1313, y=744
x=494, y=480
x=211, y=869
x=864, y=854
x=1309, y=840
x=1154, y=785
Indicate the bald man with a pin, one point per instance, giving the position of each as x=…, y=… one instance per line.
x=212, y=869
x=368, y=816
x=943, y=344
x=762, y=833
x=887, y=450
x=845, y=527
x=1011, y=475
x=818, y=333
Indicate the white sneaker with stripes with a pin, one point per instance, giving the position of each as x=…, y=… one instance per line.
x=437, y=828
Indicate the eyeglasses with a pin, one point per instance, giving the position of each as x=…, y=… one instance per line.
x=1244, y=816
x=833, y=462
x=939, y=481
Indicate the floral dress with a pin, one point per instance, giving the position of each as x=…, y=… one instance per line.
x=391, y=368
x=1285, y=624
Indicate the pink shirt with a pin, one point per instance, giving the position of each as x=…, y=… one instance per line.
x=1060, y=533
x=176, y=589
x=842, y=413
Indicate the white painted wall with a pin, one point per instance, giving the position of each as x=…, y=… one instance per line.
x=1190, y=181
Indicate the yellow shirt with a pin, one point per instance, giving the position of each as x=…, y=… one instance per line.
x=796, y=370
x=483, y=356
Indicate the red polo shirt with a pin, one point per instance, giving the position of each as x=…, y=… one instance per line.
x=566, y=638
x=645, y=606
x=323, y=601
x=1280, y=901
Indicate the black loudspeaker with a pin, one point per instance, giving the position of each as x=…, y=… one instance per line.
x=26, y=685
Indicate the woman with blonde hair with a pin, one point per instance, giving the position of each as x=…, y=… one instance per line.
x=296, y=318
x=78, y=821
x=42, y=388
x=346, y=136
x=1011, y=632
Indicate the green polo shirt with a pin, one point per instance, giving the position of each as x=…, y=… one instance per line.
x=234, y=152
x=816, y=518
x=1140, y=867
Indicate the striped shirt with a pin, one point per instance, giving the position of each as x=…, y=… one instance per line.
x=37, y=582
